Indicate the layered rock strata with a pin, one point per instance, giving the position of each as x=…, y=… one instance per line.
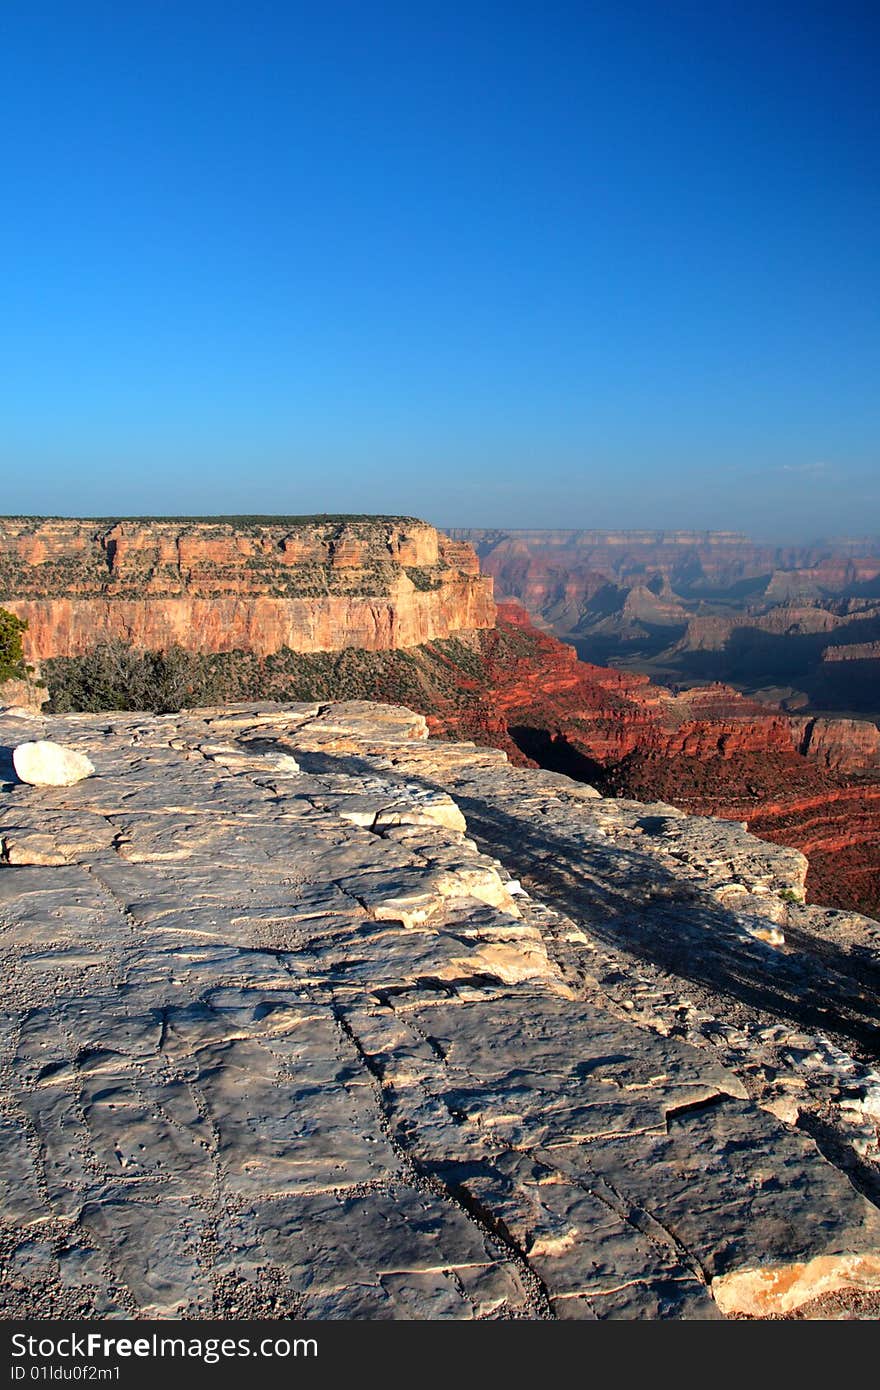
x=689, y=561
x=811, y=783
x=306, y=1014
x=390, y=585
x=312, y=584
x=695, y=606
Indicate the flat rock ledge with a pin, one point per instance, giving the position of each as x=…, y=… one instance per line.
x=308, y=1015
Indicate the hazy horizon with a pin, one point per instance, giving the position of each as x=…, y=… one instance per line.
x=500, y=265
x=111, y=516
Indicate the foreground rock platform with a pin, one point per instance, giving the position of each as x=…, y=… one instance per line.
x=305, y=1014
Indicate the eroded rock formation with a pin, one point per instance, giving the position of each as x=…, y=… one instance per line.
x=688, y=562
x=416, y=623
x=308, y=1015
x=696, y=606
x=312, y=585
x=808, y=783
x=796, y=626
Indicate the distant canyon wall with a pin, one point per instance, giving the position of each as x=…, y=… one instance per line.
x=699, y=559
x=603, y=581
x=212, y=586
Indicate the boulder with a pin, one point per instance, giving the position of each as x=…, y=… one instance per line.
x=46, y=764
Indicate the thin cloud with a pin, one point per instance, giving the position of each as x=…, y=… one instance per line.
x=819, y=467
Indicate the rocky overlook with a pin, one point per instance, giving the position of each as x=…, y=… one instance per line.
x=258, y=584
x=389, y=609
x=306, y=1014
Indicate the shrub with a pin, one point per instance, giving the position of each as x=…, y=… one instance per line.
x=116, y=676
x=424, y=578
x=12, y=665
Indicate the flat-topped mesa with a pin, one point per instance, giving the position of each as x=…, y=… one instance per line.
x=826, y=559
x=255, y=584
x=856, y=651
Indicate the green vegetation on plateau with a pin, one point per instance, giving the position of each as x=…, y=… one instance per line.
x=238, y=523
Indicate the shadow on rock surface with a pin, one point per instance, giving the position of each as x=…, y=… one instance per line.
x=632, y=903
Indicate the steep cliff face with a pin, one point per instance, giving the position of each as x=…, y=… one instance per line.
x=714, y=632
x=846, y=745
x=527, y=674
x=828, y=576
x=311, y=585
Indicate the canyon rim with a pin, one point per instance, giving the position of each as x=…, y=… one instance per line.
x=403, y=1005
x=439, y=685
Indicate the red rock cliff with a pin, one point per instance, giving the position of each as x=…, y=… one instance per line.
x=311, y=585
x=813, y=784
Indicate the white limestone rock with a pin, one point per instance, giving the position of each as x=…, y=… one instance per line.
x=46, y=764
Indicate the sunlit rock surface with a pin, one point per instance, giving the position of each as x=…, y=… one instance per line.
x=311, y=584
x=305, y=1014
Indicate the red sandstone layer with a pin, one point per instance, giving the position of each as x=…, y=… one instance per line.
x=813, y=784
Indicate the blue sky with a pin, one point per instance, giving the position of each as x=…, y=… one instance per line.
x=581, y=264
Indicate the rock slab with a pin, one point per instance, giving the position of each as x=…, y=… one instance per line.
x=305, y=1014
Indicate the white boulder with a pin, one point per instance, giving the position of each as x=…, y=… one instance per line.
x=46, y=764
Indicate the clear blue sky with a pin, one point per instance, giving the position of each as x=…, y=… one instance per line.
x=593, y=264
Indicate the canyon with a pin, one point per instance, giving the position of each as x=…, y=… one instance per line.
x=687, y=607
x=763, y=646
x=390, y=609
x=690, y=562
x=424, y=969
x=811, y=783
x=310, y=1015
